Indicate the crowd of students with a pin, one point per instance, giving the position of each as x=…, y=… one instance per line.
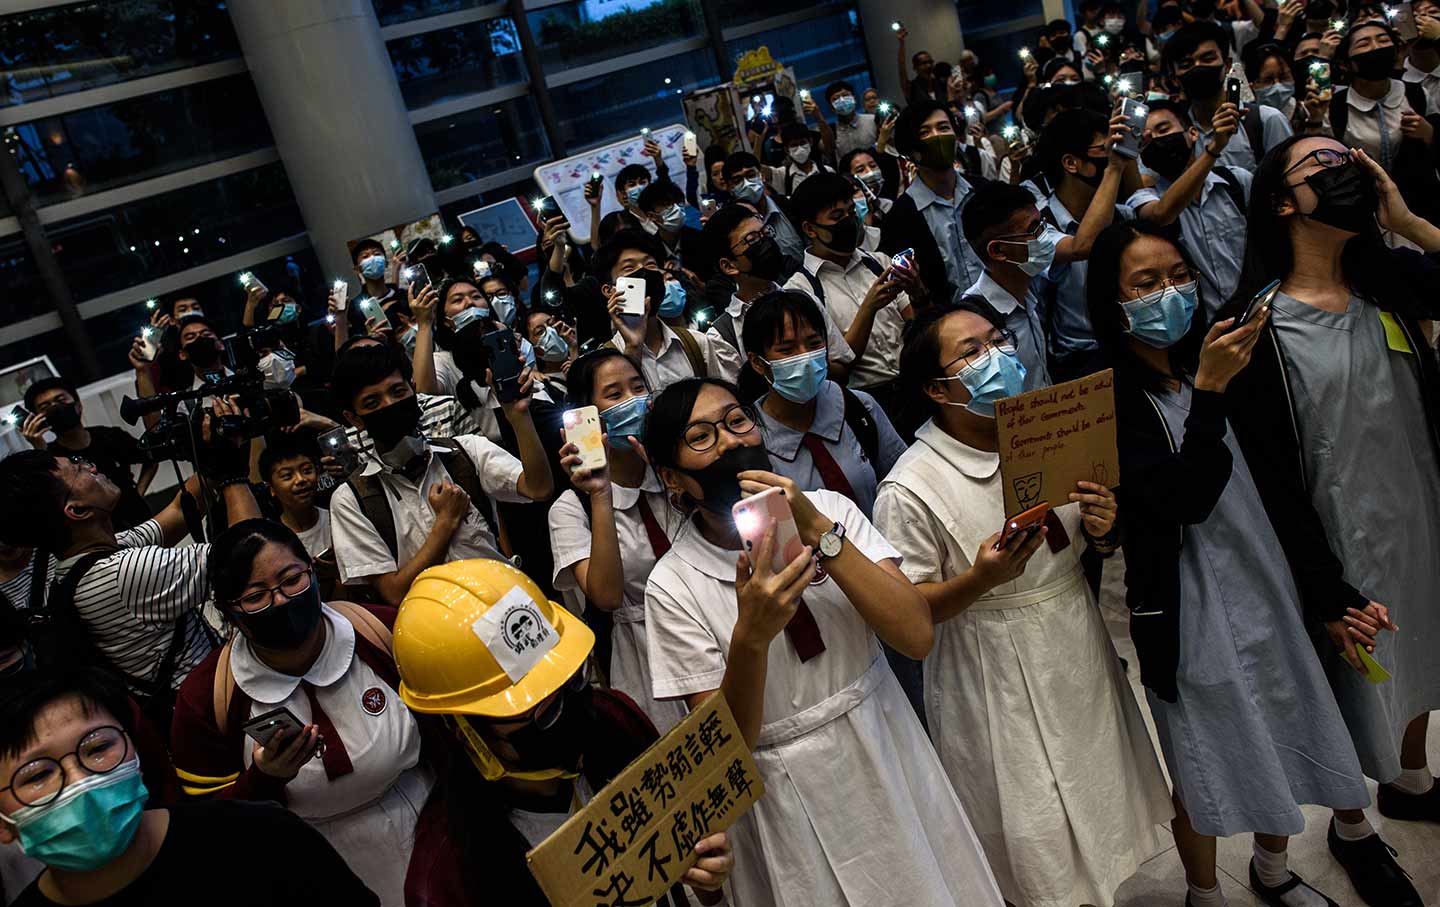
x=937, y=710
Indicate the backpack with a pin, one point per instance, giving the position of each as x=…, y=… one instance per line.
x=375, y=505
x=1254, y=132
x=689, y=344
x=1233, y=188
x=858, y=417
x=367, y=626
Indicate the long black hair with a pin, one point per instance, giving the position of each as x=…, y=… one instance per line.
x=1102, y=295
x=1270, y=254
x=670, y=412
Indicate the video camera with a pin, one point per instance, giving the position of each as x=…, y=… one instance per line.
x=177, y=434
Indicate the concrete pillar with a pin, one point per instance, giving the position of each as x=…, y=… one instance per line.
x=339, y=121
x=934, y=26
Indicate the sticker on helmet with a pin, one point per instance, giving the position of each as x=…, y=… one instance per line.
x=516, y=633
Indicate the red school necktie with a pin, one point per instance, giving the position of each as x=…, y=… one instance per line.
x=332, y=754
x=804, y=633
x=659, y=542
x=830, y=472
x=1056, y=536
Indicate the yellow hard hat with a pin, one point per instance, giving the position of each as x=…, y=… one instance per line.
x=478, y=637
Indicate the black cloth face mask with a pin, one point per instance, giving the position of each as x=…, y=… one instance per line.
x=202, y=352
x=843, y=236
x=1168, y=155
x=284, y=625
x=766, y=259
x=1374, y=65
x=1201, y=83
x=1346, y=198
x=719, y=479
x=389, y=425
x=62, y=418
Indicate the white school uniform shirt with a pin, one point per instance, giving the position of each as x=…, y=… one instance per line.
x=671, y=365
x=837, y=349
x=1362, y=129
x=857, y=809
x=448, y=375
x=316, y=539
x=369, y=815
x=789, y=457
x=844, y=290
x=360, y=552
x=570, y=541
x=1429, y=80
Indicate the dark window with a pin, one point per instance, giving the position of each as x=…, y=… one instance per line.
x=481, y=142
x=454, y=62
x=595, y=110
x=573, y=34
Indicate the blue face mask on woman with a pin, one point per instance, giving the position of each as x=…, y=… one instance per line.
x=862, y=208
x=1161, y=318
x=799, y=378
x=504, y=306
x=373, y=267
x=1277, y=95
x=998, y=375
x=551, y=346
x=89, y=825
x=624, y=419
x=467, y=315
x=673, y=303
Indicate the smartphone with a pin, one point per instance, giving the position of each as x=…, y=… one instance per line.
x=148, y=347
x=884, y=108
x=370, y=307
x=547, y=207
x=1403, y=18
x=1024, y=523
x=632, y=291
x=341, y=290
x=756, y=514
x=17, y=416
x=505, y=362
x=1246, y=93
x=596, y=179
x=904, y=260
x=481, y=267
x=418, y=276
x=1339, y=25
x=896, y=25
x=1134, y=112
x=804, y=94
x=645, y=132
x=1261, y=300
x=1024, y=53
x=1320, y=73
x=972, y=115
x=708, y=206
x=582, y=428
x=263, y=728
x=336, y=443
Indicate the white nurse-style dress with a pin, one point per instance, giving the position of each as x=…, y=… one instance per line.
x=857, y=809
x=1026, y=700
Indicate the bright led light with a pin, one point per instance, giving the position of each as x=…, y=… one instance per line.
x=339, y=284
x=151, y=304
x=746, y=522
x=446, y=239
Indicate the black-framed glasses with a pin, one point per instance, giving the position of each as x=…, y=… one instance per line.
x=970, y=360
x=701, y=435
x=750, y=239
x=1144, y=286
x=39, y=782
x=1325, y=157
x=1035, y=233
x=264, y=599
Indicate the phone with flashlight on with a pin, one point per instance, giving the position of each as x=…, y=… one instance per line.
x=756, y=514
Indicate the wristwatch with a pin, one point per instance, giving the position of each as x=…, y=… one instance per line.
x=831, y=541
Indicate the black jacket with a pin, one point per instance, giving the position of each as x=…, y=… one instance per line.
x=1167, y=486
x=904, y=227
x=1264, y=418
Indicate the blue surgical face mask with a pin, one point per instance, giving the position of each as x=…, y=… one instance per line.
x=504, y=305
x=998, y=375
x=373, y=267
x=407, y=339
x=633, y=193
x=672, y=218
x=624, y=419
x=1041, y=251
x=89, y=825
x=1161, y=318
x=862, y=208
x=799, y=378
x=844, y=105
x=466, y=316
x=749, y=190
x=288, y=313
x=1277, y=95
x=673, y=304
x=552, y=347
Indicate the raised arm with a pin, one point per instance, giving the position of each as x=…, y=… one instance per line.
x=1187, y=188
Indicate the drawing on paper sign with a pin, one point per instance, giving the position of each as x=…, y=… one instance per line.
x=1100, y=474
x=1027, y=489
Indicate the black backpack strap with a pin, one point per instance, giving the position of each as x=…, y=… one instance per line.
x=1415, y=94
x=725, y=327
x=370, y=495
x=39, y=578
x=1233, y=188
x=1254, y=131
x=858, y=417
x=463, y=472
x=815, y=287
x=869, y=262
x=1339, y=113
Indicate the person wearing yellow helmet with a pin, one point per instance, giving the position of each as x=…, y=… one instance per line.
x=477, y=643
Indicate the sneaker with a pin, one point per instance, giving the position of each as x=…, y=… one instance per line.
x=1273, y=895
x=1370, y=864
x=1396, y=804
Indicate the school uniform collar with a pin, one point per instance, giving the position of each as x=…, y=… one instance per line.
x=925, y=196
x=373, y=465
x=1393, y=98
x=998, y=297
x=813, y=263
x=1415, y=74
x=1063, y=217
x=693, y=548
x=263, y=683
x=784, y=441
x=668, y=338
x=977, y=464
x=737, y=307
x=623, y=498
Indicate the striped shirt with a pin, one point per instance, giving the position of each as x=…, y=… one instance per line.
x=131, y=600
x=16, y=589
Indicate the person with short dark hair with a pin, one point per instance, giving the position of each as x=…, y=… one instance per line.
x=1198, y=57
x=664, y=204
x=925, y=86
x=746, y=178
x=854, y=130
x=290, y=467
x=801, y=160
x=629, y=182
x=75, y=800
x=55, y=406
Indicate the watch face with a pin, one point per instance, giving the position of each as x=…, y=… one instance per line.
x=830, y=544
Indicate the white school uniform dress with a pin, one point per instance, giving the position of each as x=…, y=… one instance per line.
x=857, y=809
x=360, y=551
x=369, y=815
x=1026, y=700
x=570, y=539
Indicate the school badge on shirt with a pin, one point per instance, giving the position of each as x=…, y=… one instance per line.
x=373, y=701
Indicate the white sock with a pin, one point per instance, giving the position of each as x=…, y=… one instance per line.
x=1357, y=832
x=1203, y=897
x=1414, y=781
x=1272, y=871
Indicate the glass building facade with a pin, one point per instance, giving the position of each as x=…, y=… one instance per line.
x=146, y=151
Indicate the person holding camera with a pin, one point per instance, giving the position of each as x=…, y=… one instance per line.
x=420, y=501
x=130, y=600
x=55, y=406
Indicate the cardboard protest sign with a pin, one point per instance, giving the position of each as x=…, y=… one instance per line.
x=636, y=838
x=1056, y=436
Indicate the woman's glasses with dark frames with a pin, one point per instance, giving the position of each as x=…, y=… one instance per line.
x=702, y=435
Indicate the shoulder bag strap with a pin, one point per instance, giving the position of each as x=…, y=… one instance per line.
x=370, y=495
x=692, y=352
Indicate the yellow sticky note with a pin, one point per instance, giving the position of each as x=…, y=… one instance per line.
x=1373, y=671
x=1395, y=335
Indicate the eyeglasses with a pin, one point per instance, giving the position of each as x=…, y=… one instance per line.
x=1144, y=286
x=750, y=239
x=82, y=462
x=1035, y=233
x=1325, y=157
x=1005, y=342
x=40, y=781
x=548, y=714
x=700, y=435
x=264, y=599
